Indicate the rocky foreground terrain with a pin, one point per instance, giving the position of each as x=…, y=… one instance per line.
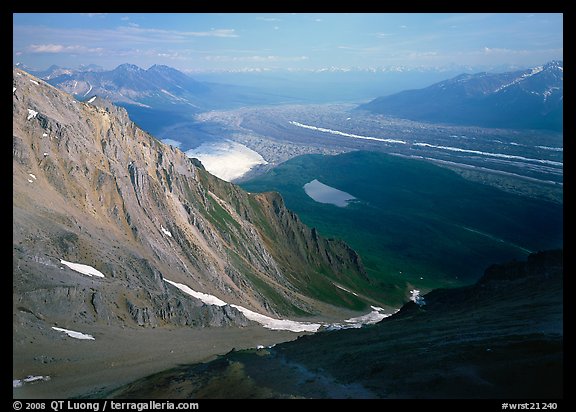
x=500, y=338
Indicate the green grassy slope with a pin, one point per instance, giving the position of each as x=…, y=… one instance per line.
x=415, y=223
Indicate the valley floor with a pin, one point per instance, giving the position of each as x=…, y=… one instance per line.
x=118, y=356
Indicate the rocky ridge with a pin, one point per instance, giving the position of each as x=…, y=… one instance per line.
x=91, y=187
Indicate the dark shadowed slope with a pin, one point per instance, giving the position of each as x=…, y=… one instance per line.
x=500, y=338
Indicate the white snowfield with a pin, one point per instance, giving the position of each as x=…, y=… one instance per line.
x=165, y=231
x=344, y=289
x=74, y=334
x=204, y=297
x=17, y=383
x=227, y=160
x=278, y=324
x=370, y=318
x=416, y=298
x=31, y=114
x=376, y=315
x=84, y=269
x=266, y=321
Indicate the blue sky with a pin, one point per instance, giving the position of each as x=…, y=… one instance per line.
x=229, y=41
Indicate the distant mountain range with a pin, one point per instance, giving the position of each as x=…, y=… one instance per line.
x=128, y=83
x=531, y=98
x=156, y=97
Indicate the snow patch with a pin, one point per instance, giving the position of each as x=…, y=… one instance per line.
x=31, y=378
x=74, y=334
x=35, y=82
x=373, y=317
x=18, y=383
x=376, y=315
x=416, y=298
x=344, y=289
x=92, y=99
x=266, y=321
x=84, y=269
x=13, y=90
x=31, y=114
x=165, y=231
x=204, y=297
x=278, y=324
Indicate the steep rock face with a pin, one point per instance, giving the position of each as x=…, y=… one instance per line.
x=92, y=188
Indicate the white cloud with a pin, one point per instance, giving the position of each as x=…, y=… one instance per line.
x=59, y=48
x=94, y=14
x=257, y=59
x=268, y=18
x=161, y=34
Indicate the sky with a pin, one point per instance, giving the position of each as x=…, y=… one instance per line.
x=297, y=41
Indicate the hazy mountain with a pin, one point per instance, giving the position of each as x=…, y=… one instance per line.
x=92, y=188
x=128, y=83
x=531, y=98
x=158, y=97
x=499, y=338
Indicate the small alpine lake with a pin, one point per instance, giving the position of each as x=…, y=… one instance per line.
x=322, y=193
